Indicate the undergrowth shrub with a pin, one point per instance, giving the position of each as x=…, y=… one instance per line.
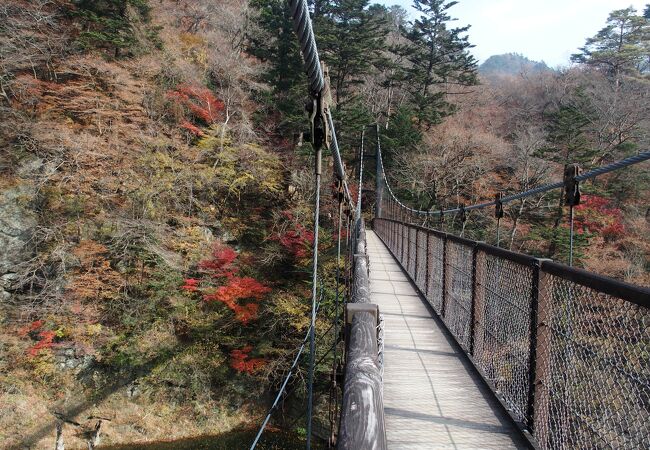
x=109, y=24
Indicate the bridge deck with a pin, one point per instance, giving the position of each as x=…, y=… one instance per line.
x=432, y=397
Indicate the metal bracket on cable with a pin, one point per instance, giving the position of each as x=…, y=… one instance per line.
x=320, y=132
x=339, y=196
x=571, y=185
x=463, y=214
x=498, y=206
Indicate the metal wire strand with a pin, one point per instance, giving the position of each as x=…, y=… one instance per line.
x=641, y=157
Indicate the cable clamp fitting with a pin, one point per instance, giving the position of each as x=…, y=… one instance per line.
x=571, y=185
x=498, y=205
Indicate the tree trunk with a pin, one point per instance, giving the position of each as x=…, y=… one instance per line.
x=59, y=436
x=93, y=441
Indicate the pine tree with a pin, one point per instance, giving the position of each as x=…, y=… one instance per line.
x=351, y=37
x=439, y=60
x=621, y=48
x=107, y=23
x=274, y=42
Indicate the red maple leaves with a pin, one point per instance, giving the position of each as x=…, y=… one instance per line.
x=240, y=294
x=596, y=215
x=241, y=362
x=298, y=240
x=45, y=338
x=237, y=289
x=201, y=102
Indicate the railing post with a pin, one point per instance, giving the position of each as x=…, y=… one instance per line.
x=426, y=272
x=408, y=247
x=472, y=309
x=540, y=315
x=443, y=301
x=415, y=272
x=404, y=249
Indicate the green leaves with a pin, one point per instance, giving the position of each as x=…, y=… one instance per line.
x=439, y=60
x=107, y=23
x=622, y=47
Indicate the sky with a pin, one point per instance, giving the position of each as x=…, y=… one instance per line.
x=548, y=30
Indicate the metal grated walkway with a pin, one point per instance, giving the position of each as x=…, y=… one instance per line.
x=432, y=398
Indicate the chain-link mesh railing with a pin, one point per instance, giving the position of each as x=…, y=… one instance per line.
x=567, y=351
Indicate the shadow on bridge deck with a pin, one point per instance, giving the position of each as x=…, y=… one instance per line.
x=433, y=398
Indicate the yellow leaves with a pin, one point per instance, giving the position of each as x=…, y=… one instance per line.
x=93, y=329
x=190, y=41
x=195, y=47
x=292, y=309
x=192, y=242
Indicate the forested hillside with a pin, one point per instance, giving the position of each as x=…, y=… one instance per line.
x=510, y=64
x=155, y=194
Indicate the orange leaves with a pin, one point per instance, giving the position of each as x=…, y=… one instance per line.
x=241, y=362
x=186, y=125
x=32, y=327
x=46, y=341
x=45, y=338
x=200, y=101
x=240, y=289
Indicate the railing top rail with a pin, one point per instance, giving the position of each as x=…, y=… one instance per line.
x=625, y=291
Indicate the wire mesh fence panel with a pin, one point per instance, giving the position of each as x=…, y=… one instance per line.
x=458, y=284
x=503, y=296
x=435, y=282
x=593, y=367
x=411, y=257
x=590, y=350
x=421, y=275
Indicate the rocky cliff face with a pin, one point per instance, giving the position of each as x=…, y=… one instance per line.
x=17, y=223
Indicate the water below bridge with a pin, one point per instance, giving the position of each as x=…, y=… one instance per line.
x=433, y=398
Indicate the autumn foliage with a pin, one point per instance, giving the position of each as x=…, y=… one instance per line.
x=45, y=338
x=297, y=240
x=241, y=362
x=240, y=294
x=596, y=215
x=200, y=101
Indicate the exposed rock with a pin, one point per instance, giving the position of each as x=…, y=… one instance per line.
x=17, y=222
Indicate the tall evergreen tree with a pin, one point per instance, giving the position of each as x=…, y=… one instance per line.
x=351, y=38
x=621, y=48
x=106, y=23
x=439, y=60
x=273, y=41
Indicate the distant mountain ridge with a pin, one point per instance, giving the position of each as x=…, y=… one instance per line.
x=511, y=64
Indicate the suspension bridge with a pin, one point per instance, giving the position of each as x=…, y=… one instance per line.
x=454, y=343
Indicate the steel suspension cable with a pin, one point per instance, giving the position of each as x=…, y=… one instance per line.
x=641, y=157
x=276, y=402
x=303, y=27
x=312, y=328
